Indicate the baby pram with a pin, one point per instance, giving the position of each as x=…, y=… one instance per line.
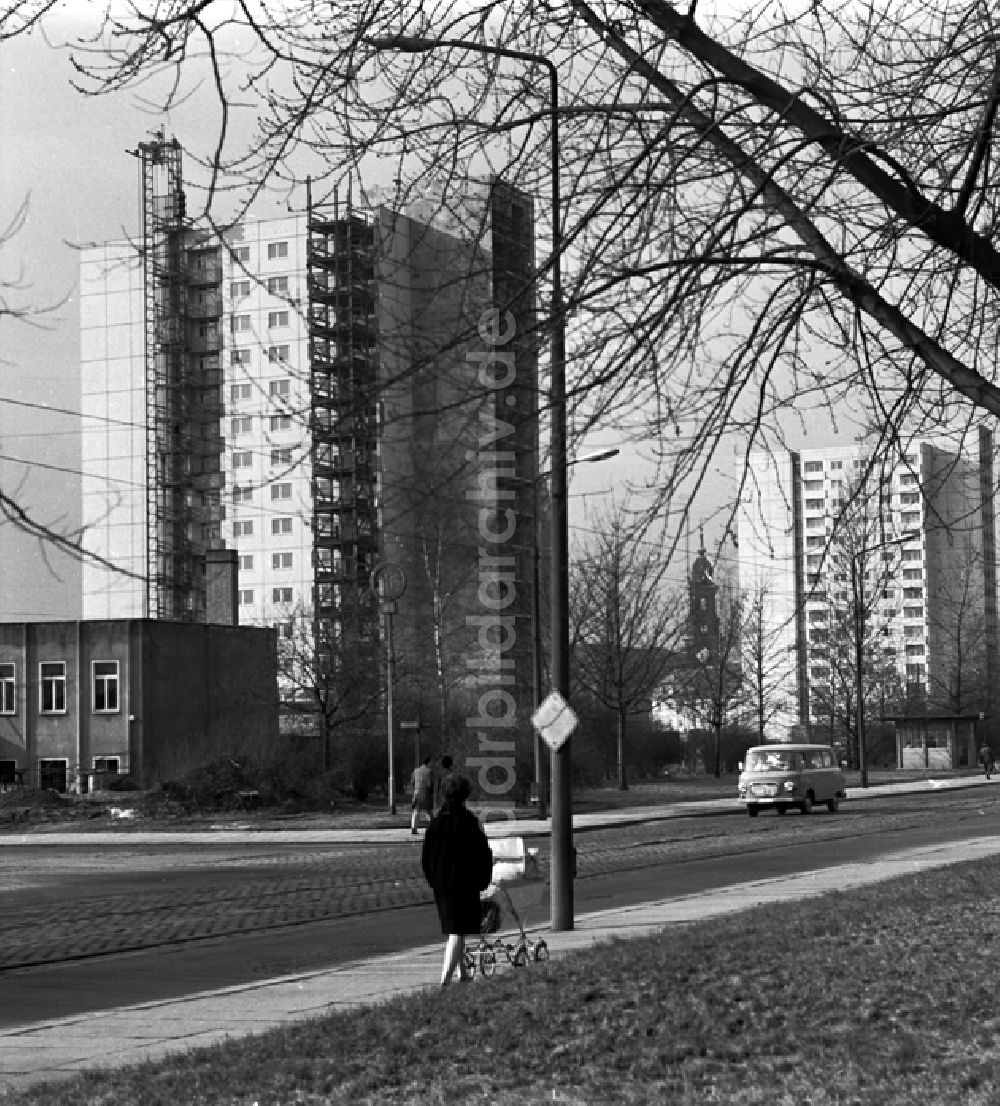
x=517, y=885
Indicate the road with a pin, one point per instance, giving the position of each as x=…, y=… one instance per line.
x=86, y=929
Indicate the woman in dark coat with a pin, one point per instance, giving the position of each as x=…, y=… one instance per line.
x=458, y=864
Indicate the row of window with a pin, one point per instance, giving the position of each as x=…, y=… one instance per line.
x=278, y=492
x=241, y=324
x=52, y=687
x=282, y=596
x=278, y=561
x=243, y=355
x=276, y=286
x=243, y=528
x=275, y=251
x=243, y=424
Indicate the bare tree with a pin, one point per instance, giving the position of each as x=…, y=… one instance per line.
x=765, y=210
x=957, y=675
x=765, y=661
x=624, y=624
x=335, y=685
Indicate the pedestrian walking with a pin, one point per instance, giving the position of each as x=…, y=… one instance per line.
x=446, y=763
x=422, y=785
x=458, y=863
x=986, y=759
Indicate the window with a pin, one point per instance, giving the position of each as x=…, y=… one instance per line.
x=277, y=286
x=909, y=478
x=913, y=612
x=208, y=330
x=242, y=495
x=912, y=574
x=913, y=631
x=276, y=250
x=240, y=357
x=107, y=764
x=239, y=289
x=813, y=466
x=276, y=318
x=281, y=595
x=814, y=523
x=911, y=554
x=239, y=426
x=813, y=485
x=814, y=560
x=814, y=504
x=281, y=525
x=836, y=464
x=243, y=529
x=281, y=422
x=242, y=459
x=246, y=597
x=8, y=686
x=277, y=353
x=281, y=560
x=914, y=672
x=909, y=497
x=281, y=456
x=240, y=391
x=52, y=687
x=910, y=518
x=246, y=562
x=279, y=387
x=241, y=254
x=284, y=491
x=815, y=543
x=242, y=323
x=913, y=593
x=914, y=650
x=105, y=685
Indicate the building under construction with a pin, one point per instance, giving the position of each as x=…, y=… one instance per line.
x=315, y=393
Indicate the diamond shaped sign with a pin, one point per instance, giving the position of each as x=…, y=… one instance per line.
x=555, y=720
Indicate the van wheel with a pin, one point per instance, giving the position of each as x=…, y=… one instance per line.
x=781, y=809
x=833, y=805
x=752, y=809
x=807, y=804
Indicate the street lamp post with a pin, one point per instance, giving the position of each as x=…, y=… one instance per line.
x=858, y=594
x=561, y=871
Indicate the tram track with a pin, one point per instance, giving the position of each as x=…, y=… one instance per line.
x=257, y=895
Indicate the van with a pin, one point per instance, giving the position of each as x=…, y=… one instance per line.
x=783, y=776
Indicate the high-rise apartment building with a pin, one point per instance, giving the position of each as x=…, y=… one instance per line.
x=900, y=547
x=324, y=393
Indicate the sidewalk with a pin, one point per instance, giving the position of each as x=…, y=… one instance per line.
x=128, y=1035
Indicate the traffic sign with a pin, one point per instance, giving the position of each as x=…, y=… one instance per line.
x=555, y=720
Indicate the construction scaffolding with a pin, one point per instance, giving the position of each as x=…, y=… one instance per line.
x=183, y=386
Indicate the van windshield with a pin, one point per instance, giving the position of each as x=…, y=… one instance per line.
x=773, y=760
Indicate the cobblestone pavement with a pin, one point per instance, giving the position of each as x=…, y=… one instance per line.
x=201, y=893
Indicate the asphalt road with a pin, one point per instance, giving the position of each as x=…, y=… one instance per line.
x=86, y=929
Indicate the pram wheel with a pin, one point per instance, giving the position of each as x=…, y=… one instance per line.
x=520, y=957
x=468, y=968
x=541, y=952
x=487, y=962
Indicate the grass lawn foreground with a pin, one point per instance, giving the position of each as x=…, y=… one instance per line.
x=880, y=995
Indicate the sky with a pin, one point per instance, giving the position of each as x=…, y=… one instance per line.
x=66, y=155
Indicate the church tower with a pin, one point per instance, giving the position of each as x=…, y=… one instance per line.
x=703, y=619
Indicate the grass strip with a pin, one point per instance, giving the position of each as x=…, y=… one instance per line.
x=880, y=995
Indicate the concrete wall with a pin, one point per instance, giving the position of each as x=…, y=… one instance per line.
x=185, y=694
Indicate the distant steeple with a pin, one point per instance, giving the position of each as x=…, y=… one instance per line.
x=703, y=629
